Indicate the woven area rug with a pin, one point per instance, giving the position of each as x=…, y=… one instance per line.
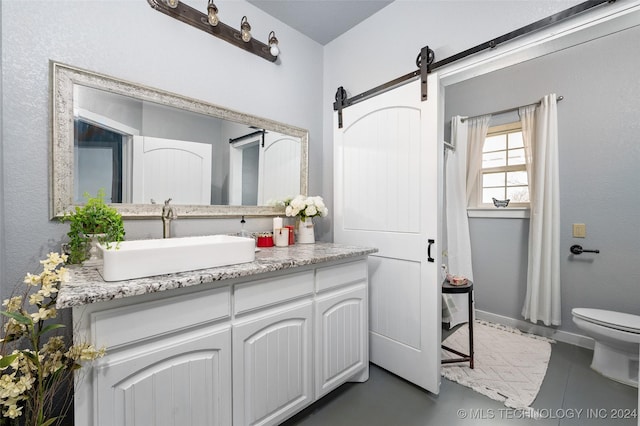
x=509, y=365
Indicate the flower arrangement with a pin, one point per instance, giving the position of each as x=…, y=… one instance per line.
x=305, y=207
x=34, y=370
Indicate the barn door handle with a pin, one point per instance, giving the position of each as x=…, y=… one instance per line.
x=429, y=258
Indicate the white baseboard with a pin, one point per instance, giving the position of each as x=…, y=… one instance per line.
x=540, y=330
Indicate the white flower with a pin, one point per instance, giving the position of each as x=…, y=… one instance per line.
x=319, y=202
x=43, y=314
x=31, y=279
x=36, y=298
x=48, y=289
x=298, y=203
x=305, y=207
x=13, y=411
x=13, y=304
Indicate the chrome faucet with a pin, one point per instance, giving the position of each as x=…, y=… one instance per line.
x=168, y=214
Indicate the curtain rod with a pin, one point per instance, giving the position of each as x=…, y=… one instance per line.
x=503, y=111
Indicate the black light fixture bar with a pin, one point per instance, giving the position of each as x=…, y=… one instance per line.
x=341, y=100
x=197, y=19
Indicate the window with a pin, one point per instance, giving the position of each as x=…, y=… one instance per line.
x=503, y=174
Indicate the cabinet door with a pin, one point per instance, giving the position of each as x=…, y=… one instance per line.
x=184, y=380
x=341, y=338
x=272, y=365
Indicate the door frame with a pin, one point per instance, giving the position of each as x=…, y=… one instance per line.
x=580, y=29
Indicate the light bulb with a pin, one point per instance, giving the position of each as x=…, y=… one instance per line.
x=273, y=44
x=172, y=3
x=245, y=30
x=212, y=14
x=246, y=36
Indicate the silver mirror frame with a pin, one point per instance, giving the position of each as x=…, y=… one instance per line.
x=63, y=77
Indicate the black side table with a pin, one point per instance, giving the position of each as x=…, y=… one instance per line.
x=447, y=288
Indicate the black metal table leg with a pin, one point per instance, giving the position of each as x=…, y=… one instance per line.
x=460, y=289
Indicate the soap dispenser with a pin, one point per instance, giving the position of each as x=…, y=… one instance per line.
x=244, y=232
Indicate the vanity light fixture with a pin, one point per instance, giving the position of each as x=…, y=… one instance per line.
x=212, y=14
x=245, y=30
x=273, y=44
x=209, y=22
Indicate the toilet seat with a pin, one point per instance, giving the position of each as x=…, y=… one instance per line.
x=616, y=320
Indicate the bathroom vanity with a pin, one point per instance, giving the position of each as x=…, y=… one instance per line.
x=247, y=344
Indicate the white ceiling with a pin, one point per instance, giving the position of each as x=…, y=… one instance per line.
x=321, y=20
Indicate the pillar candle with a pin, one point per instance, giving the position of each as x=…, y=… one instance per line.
x=281, y=237
x=277, y=223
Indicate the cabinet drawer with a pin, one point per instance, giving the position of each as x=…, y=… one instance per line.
x=271, y=291
x=134, y=323
x=339, y=275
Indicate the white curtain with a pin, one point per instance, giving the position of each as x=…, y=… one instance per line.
x=468, y=139
x=540, y=135
x=478, y=127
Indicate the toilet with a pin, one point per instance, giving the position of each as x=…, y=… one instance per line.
x=617, y=342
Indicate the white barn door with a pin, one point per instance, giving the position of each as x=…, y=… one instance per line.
x=168, y=168
x=387, y=159
x=279, y=168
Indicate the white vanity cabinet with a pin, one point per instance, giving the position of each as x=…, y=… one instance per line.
x=341, y=326
x=272, y=349
x=182, y=381
x=168, y=361
x=250, y=350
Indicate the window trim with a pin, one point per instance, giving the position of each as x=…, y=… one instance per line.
x=494, y=213
x=479, y=205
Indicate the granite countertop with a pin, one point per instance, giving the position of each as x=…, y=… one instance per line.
x=86, y=286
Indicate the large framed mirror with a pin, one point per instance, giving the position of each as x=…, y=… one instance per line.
x=143, y=146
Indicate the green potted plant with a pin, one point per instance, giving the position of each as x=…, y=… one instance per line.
x=94, y=221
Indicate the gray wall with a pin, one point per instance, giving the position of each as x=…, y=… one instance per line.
x=129, y=40
x=599, y=148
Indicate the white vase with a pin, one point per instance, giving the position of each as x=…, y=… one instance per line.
x=306, y=233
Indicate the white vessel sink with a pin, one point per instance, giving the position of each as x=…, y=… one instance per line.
x=145, y=258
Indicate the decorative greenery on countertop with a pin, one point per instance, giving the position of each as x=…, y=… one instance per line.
x=35, y=371
x=93, y=218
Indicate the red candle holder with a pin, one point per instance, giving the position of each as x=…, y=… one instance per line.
x=265, y=240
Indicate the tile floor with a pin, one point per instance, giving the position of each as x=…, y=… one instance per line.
x=571, y=394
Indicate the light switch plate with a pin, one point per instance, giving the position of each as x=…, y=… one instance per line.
x=579, y=230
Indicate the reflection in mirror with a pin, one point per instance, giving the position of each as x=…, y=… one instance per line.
x=143, y=146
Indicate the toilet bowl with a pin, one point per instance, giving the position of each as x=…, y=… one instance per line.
x=617, y=342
